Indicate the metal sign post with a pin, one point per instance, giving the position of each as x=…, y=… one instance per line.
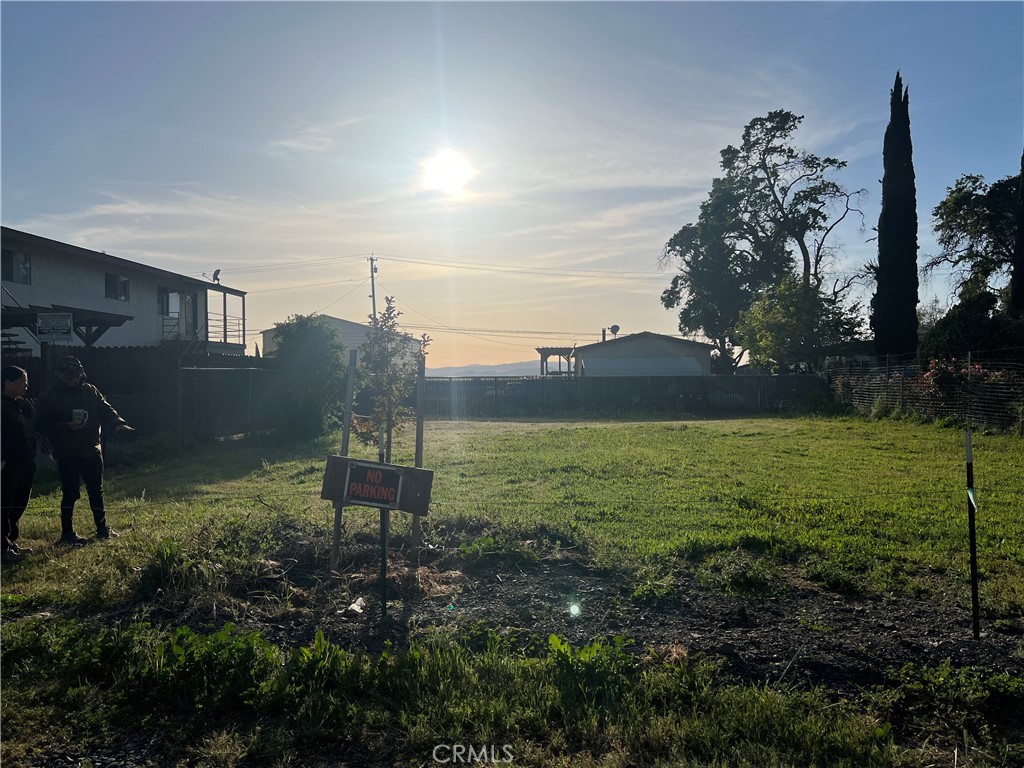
x=972, y=507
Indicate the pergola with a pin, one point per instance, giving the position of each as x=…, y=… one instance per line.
x=88, y=324
x=563, y=353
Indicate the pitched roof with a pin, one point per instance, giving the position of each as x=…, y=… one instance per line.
x=113, y=261
x=646, y=334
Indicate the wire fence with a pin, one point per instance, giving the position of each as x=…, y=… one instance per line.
x=985, y=391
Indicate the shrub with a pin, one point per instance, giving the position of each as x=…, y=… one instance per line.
x=310, y=357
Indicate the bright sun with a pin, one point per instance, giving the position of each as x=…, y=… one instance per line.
x=448, y=172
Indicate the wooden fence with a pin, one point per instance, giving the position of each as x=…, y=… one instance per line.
x=159, y=389
x=507, y=397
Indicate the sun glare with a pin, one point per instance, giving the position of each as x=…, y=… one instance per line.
x=448, y=172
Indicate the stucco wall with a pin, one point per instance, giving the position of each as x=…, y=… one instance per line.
x=646, y=356
x=72, y=280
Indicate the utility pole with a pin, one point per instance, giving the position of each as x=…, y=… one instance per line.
x=373, y=284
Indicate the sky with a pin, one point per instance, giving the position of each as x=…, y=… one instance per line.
x=514, y=168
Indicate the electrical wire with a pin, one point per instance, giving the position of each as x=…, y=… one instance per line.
x=304, y=285
x=317, y=312
x=508, y=268
x=290, y=265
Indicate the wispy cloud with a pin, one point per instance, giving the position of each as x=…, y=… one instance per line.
x=312, y=137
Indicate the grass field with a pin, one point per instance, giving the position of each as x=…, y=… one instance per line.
x=863, y=507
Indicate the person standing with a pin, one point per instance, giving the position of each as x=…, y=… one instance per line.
x=71, y=414
x=18, y=461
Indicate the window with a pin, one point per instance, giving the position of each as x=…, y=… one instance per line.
x=163, y=301
x=117, y=287
x=17, y=267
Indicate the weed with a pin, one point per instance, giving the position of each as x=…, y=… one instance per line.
x=833, y=577
x=881, y=409
x=739, y=573
x=951, y=705
x=491, y=549
x=171, y=569
x=652, y=590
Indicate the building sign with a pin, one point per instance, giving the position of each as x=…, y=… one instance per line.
x=53, y=326
x=385, y=486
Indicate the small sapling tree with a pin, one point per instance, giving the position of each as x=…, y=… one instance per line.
x=388, y=366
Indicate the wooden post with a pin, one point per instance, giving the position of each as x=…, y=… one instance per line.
x=349, y=390
x=385, y=531
x=345, y=432
x=421, y=385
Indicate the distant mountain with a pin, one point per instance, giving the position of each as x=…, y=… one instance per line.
x=528, y=368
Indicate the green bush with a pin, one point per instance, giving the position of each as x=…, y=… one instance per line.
x=309, y=355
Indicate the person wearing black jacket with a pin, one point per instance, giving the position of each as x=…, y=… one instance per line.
x=71, y=414
x=18, y=462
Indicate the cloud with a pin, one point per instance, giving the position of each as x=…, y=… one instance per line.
x=314, y=137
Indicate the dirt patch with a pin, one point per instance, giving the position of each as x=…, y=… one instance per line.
x=801, y=635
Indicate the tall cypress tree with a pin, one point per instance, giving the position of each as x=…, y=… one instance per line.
x=1017, y=264
x=894, y=305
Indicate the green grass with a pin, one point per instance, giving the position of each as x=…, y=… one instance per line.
x=853, y=505
x=233, y=698
x=883, y=504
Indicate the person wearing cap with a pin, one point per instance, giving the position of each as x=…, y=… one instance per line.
x=18, y=462
x=71, y=414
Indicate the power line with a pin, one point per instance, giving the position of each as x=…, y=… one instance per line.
x=296, y=287
x=317, y=312
x=498, y=331
x=481, y=333
x=508, y=268
x=290, y=265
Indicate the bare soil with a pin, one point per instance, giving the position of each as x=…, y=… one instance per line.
x=801, y=636
x=804, y=634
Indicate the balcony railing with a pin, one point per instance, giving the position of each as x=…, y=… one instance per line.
x=227, y=330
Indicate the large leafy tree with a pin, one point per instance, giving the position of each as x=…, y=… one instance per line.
x=790, y=192
x=788, y=328
x=772, y=200
x=976, y=226
x=723, y=264
x=974, y=325
x=310, y=358
x=894, y=305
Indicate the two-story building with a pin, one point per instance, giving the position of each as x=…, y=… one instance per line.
x=50, y=287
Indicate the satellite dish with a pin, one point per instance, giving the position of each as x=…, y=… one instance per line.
x=615, y=330
x=216, y=279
